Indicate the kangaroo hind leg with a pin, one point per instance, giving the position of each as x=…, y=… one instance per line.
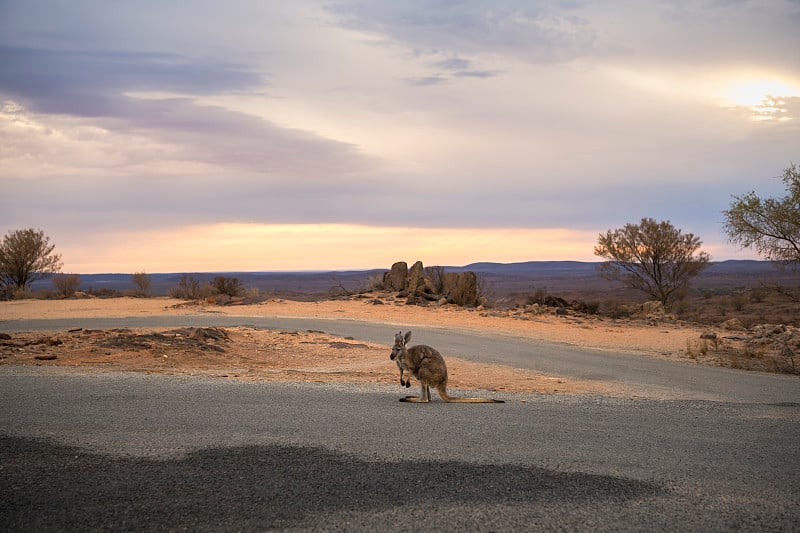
x=424, y=396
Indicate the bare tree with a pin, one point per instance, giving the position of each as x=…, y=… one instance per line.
x=142, y=283
x=653, y=257
x=66, y=284
x=25, y=256
x=770, y=225
x=188, y=288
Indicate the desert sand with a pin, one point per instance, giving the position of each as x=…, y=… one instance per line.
x=252, y=354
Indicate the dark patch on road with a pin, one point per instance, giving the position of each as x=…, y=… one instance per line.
x=51, y=487
x=185, y=338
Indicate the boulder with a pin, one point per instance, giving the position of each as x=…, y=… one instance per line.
x=734, y=324
x=461, y=289
x=415, y=281
x=768, y=330
x=395, y=279
x=533, y=309
x=653, y=309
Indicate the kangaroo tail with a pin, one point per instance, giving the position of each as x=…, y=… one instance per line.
x=442, y=390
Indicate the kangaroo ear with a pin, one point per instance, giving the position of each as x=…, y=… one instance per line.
x=407, y=336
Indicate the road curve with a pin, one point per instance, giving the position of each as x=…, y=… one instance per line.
x=638, y=375
x=129, y=451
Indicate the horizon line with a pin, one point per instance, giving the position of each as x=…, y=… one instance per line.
x=368, y=269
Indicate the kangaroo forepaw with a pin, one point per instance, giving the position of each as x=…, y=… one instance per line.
x=408, y=383
x=402, y=382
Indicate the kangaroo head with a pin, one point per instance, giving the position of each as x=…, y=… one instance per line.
x=399, y=347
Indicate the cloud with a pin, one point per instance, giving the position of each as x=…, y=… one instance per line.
x=99, y=88
x=553, y=31
x=424, y=81
x=92, y=83
x=430, y=113
x=93, y=131
x=463, y=68
x=455, y=64
x=541, y=32
x=476, y=73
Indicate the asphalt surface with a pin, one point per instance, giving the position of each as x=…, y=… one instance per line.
x=124, y=451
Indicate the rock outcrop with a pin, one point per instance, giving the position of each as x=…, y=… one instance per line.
x=395, y=279
x=461, y=289
x=413, y=283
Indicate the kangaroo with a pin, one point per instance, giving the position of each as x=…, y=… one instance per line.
x=427, y=365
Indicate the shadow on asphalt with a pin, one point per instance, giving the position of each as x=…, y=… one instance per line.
x=48, y=486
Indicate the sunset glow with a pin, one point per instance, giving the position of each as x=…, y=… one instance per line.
x=754, y=93
x=317, y=135
x=253, y=247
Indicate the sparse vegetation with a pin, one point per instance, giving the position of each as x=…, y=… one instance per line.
x=25, y=256
x=227, y=286
x=375, y=283
x=141, y=282
x=66, y=284
x=188, y=288
x=653, y=257
x=436, y=275
x=102, y=293
x=770, y=225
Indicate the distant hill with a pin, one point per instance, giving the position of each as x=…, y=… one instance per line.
x=530, y=267
x=568, y=277
x=580, y=279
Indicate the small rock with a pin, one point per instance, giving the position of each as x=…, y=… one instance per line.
x=49, y=341
x=654, y=308
x=734, y=324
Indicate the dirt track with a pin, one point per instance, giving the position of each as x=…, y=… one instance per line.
x=312, y=356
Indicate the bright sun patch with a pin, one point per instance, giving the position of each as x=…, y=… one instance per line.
x=765, y=98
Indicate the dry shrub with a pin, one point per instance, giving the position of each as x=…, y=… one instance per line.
x=141, y=282
x=226, y=286
x=188, y=288
x=66, y=284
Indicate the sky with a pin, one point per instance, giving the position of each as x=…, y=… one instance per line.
x=202, y=136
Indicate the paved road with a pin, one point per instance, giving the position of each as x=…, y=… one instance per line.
x=641, y=376
x=123, y=451
x=116, y=451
